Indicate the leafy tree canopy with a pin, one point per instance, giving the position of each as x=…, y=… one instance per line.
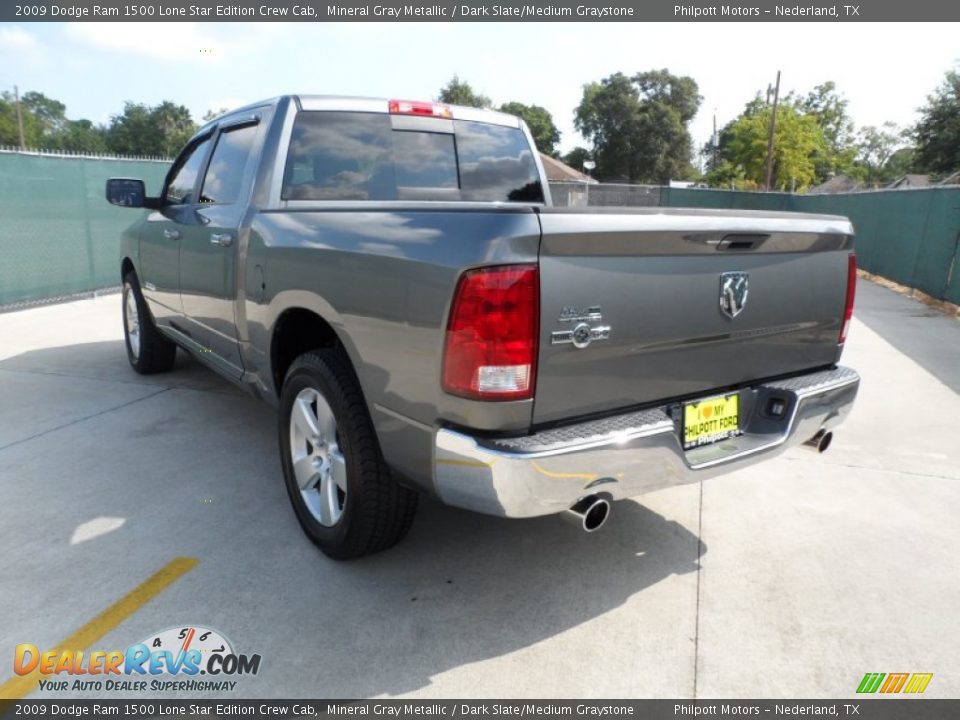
x=576, y=157
x=459, y=92
x=875, y=149
x=143, y=130
x=829, y=107
x=638, y=125
x=540, y=121
x=798, y=140
x=937, y=134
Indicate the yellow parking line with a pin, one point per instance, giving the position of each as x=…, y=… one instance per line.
x=22, y=685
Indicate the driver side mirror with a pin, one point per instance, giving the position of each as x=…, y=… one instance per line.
x=128, y=192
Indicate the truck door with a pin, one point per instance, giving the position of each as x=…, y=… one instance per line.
x=159, y=268
x=210, y=247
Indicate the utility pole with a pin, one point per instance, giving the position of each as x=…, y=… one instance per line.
x=773, y=127
x=716, y=140
x=16, y=95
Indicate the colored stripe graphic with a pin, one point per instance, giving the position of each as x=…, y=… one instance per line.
x=918, y=683
x=870, y=682
x=894, y=682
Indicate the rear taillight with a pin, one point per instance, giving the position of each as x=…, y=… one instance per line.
x=424, y=109
x=491, y=344
x=851, y=293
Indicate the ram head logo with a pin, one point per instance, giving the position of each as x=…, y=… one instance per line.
x=734, y=289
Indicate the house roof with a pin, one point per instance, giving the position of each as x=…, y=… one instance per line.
x=836, y=184
x=561, y=172
x=911, y=181
x=951, y=179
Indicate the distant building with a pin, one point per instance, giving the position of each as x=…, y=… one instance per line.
x=561, y=172
x=951, y=179
x=910, y=181
x=836, y=184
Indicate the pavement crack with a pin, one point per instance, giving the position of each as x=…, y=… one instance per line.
x=83, y=419
x=855, y=466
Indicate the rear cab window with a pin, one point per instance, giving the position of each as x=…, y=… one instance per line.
x=337, y=155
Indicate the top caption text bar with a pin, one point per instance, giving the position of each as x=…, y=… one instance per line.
x=475, y=11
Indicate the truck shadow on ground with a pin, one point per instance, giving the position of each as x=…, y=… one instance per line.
x=460, y=589
x=107, y=360
x=464, y=588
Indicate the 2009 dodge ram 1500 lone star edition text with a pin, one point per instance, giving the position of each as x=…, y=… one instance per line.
x=392, y=276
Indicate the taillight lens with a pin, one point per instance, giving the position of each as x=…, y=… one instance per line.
x=491, y=348
x=851, y=294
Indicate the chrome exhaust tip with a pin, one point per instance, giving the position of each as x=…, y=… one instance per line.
x=820, y=442
x=590, y=513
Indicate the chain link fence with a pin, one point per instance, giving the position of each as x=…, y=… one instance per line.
x=578, y=194
x=59, y=236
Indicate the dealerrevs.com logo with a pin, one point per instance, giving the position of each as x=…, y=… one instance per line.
x=171, y=660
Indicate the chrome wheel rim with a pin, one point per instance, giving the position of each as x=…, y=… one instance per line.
x=132, y=319
x=318, y=464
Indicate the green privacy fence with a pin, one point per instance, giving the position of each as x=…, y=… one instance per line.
x=58, y=235
x=909, y=236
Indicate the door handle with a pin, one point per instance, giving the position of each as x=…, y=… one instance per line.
x=221, y=239
x=171, y=234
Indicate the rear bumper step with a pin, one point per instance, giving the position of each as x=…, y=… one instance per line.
x=631, y=454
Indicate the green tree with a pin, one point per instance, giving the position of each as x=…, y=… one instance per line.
x=142, y=130
x=576, y=157
x=540, y=121
x=876, y=146
x=902, y=161
x=937, y=134
x=638, y=125
x=50, y=114
x=458, y=92
x=742, y=149
x=9, y=128
x=82, y=136
x=212, y=114
x=829, y=107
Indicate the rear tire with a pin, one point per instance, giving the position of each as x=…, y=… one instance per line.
x=343, y=493
x=147, y=350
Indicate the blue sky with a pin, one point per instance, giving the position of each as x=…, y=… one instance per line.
x=885, y=70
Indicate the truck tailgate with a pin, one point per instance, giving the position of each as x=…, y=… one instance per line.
x=642, y=306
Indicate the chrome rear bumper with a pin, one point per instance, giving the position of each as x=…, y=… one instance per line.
x=631, y=454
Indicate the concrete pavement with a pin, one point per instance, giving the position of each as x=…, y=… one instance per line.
x=790, y=579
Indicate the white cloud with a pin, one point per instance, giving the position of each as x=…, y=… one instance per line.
x=16, y=38
x=173, y=42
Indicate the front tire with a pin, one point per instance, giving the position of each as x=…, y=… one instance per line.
x=147, y=350
x=342, y=491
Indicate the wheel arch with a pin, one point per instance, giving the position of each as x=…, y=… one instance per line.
x=295, y=331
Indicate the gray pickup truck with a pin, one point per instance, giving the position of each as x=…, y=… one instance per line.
x=391, y=275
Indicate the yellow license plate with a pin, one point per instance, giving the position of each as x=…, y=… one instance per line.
x=709, y=420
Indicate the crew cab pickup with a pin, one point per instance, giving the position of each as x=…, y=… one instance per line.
x=391, y=275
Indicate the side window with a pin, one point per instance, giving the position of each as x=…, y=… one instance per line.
x=496, y=164
x=228, y=165
x=184, y=176
x=340, y=156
